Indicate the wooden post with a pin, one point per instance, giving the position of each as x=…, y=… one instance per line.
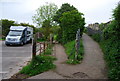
x=34, y=46
x=40, y=48
x=44, y=47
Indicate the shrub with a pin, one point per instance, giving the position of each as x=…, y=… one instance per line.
x=38, y=65
x=111, y=51
x=96, y=37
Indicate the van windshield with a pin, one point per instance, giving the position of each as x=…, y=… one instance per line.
x=15, y=33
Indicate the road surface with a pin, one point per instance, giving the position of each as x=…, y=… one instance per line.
x=13, y=58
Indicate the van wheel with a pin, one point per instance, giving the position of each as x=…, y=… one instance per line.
x=22, y=43
x=7, y=44
x=30, y=41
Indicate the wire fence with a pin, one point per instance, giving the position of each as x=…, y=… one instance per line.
x=76, y=49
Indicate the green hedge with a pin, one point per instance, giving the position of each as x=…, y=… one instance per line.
x=111, y=51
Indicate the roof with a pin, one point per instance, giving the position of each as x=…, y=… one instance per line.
x=17, y=28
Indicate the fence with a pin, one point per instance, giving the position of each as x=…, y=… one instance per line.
x=92, y=32
x=76, y=46
x=38, y=47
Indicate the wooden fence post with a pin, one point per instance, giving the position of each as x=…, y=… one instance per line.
x=44, y=47
x=40, y=48
x=34, y=46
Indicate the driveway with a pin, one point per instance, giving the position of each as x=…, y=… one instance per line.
x=13, y=58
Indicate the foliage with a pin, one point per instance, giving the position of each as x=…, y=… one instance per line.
x=46, y=31
x=110, y=45
x=72, y=61
x=46, y=24
x=45, y=13
x=42, y=39
x=96, y=37
x=64, y=8
x=70, y=23
x=49, y=50
x=111, y=51
x=38, y=65
x=70, y=51
x=6, y=26
x=110, y=32
x=116, y=14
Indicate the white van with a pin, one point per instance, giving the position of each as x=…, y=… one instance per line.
x=19, y=35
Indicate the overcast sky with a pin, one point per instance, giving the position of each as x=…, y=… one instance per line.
x=23, y=10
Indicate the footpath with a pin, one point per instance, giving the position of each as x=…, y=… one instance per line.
x=92, y=66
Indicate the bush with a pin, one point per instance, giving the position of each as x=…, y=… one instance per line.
x=48, y=50
x=111, y=45
x=38, y=65
x=111, y=51
x=96, y=37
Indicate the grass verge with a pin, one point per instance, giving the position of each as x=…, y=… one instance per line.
x=2, y=39
x=38, y=65
x=70, y=51
x=49, y=49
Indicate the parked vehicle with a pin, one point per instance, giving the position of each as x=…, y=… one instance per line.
x=19, y=35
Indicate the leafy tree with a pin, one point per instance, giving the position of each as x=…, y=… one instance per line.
x=6, y=26
x=45, y=13
x=116, y=15
x=64, y=8
x=64, y=18
x=46, y=24
x=48, y=29
x=113, y=30
x=45, y=29
x=111, y=46
x=70, y=22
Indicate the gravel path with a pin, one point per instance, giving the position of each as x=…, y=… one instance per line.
x=92, y=66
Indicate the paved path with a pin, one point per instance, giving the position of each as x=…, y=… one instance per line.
x=92, y=66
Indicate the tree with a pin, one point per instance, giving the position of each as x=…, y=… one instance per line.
x=45, y=13
x=116, y=15
x=48, y=29
x=64, y=8
x=59, y=14
x=70, y=23
x=6, y=26
x=113, y=29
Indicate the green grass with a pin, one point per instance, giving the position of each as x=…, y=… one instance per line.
x=70, y=51
x=38, y=65
x=49, y=50
x=2, y=38
x=41, y=40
